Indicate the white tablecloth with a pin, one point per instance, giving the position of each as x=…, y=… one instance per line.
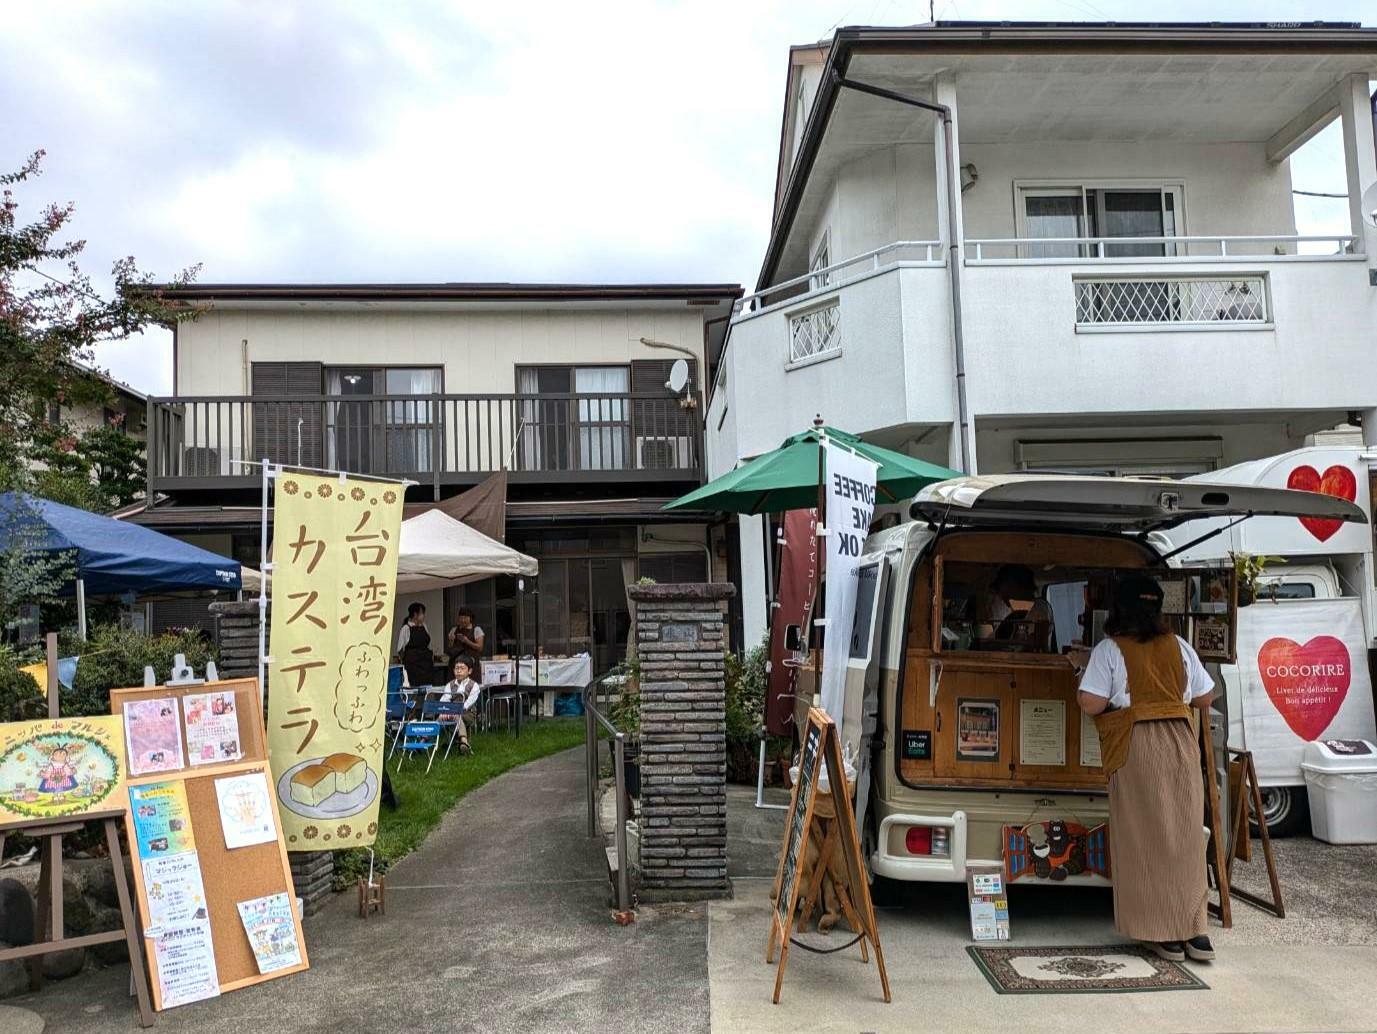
x=565, y=673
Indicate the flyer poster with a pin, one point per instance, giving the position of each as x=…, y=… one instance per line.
x=212, y=728
x=186, y=964
x=977, y=730
x=162, y=819
x=271, y=931
x=1042, y=732
x=246, y=810
x=174, y=890
x=153, y=729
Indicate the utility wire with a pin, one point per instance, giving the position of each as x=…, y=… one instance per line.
x=1317, y=193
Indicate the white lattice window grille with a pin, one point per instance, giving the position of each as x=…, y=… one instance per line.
x=1171, y=300
x=815, y=333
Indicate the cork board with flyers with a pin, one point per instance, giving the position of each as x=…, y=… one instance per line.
x=230, y=876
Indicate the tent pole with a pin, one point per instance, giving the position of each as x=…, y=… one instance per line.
x=822, y=532
x=81, y=608
x=263, y=573
x=520, y=648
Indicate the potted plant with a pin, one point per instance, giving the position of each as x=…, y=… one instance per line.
x=1248, y=568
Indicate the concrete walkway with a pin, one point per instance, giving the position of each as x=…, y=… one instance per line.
x=498, y=923
x=1309, y=972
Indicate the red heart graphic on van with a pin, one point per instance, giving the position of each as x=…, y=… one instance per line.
x=1337, y=481
x=1306, y=684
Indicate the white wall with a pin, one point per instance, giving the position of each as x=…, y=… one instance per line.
x=479, y=349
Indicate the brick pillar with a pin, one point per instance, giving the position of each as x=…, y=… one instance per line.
x=236, y=634
x=680, y=640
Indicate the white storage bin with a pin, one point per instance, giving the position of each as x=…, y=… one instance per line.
x=1341, y=781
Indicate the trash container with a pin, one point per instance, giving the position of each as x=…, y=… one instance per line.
x=1341, y=780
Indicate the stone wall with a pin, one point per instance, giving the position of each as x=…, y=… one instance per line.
x=680, y=639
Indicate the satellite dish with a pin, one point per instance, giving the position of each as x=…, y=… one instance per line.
x=678, y=376
x=1369, y=205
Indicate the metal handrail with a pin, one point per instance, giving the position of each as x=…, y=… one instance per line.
x=593, y=717
x=820, y=279
x=1222, y=241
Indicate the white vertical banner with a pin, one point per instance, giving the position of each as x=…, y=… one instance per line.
x=850, y=491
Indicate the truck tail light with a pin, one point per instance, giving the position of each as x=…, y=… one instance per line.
x=934, y=841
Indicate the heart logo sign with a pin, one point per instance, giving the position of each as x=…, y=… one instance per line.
x=1337, y=481
x=1307, y=684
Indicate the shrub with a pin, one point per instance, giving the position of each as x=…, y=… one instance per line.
x=21, y=697
x=115, y=657
x=746, y=683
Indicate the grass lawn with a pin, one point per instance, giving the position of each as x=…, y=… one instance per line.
x=424, y=798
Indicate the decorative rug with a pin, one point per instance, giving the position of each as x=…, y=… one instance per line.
x=1088, y=969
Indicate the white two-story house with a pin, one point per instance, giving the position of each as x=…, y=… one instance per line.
x=566, y=387
x=1097, y=269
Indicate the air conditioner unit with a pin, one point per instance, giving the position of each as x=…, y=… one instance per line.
x=664, y=452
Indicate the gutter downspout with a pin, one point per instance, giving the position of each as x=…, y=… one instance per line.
x=953, y=248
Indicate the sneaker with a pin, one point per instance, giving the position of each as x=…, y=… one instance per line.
x=464, y=747
x=1172, y=951
x=1200, y=949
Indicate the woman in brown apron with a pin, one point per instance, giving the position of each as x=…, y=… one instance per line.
x=1140, y=683
x=413, y=648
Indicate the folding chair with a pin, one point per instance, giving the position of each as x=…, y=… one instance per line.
x=419, y=737
x=396, y=716
x=447, y=712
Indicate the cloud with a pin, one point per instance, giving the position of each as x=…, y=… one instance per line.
x=427, y=140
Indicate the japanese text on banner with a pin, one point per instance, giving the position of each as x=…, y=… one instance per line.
x=334, y=579
x=850, y=490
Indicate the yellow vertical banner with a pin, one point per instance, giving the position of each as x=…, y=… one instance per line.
x=334, y=576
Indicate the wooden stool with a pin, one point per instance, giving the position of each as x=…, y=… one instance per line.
x=372, y=896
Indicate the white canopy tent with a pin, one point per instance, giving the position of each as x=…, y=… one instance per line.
x=437, y=551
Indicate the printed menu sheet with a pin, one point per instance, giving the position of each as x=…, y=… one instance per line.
x=162, y=819
x=1042, y=732
x=272, y=932
x=246, y=810
x=153, y=729
x=212, y=728
x=1090, y=742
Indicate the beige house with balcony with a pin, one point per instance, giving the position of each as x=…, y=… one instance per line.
x=1119, y=286
x=565, y=387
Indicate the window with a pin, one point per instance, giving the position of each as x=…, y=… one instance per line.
x=54, y=412
x=822, y=258
x=366, y=434
x=1099, y=211
x=590, y=432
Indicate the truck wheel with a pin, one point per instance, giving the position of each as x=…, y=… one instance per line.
x=1286, y=809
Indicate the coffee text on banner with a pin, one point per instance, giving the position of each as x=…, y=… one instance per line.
x=334, y=582
x=850, y=491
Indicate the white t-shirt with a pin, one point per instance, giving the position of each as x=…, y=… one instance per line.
x=1106, y=674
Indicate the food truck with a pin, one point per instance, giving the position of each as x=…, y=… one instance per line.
x=960, y=701
x=1303, y=671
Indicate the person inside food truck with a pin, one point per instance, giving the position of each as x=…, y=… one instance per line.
x=1011, y=611
x=1140, y=683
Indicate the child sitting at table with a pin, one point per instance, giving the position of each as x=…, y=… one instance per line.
x=464, y=689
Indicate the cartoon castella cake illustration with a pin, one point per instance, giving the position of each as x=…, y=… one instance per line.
x=338, y=773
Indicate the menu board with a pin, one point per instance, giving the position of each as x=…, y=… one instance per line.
x=1042, y=732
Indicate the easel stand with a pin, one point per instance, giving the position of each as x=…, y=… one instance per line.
x=1216, y=869
x=51, y=923
x=821, y=746
x=51, y=926
x=1244, y=795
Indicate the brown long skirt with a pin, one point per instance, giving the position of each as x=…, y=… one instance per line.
x=1156, y=847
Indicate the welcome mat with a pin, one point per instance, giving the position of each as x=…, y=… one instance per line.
x=1088, y=969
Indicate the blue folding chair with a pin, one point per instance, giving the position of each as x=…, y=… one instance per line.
x=419, y=737
x=396, y=714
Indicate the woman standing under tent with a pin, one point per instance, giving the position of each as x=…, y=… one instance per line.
x=1140, y=683
x=413, y=648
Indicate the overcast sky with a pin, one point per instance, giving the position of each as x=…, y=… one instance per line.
x=432, y=141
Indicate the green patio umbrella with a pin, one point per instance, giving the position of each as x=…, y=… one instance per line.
x=787, y=478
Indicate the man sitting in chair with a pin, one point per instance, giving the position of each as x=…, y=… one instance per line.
x=463, y=689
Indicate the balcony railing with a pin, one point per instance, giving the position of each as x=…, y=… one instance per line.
x=1118, y=302
x=196, y=441
x=839, y=274
x=1156, y=249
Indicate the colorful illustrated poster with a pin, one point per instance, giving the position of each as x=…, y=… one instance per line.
x=174, y=890
x=162, y=819
x=246, y=810
x=154, y=731
x=185, y=963
x=272, y=932
x=977, y=730
x=212, y=728
x=60, y=767
x=334, y=589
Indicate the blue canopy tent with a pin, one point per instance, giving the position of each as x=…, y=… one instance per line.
x=111, y=557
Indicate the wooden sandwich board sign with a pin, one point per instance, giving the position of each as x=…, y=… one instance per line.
x=210, y=814
x=821, y=746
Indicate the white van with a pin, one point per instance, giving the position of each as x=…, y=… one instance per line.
x=1304, y=646
x=964, y=718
